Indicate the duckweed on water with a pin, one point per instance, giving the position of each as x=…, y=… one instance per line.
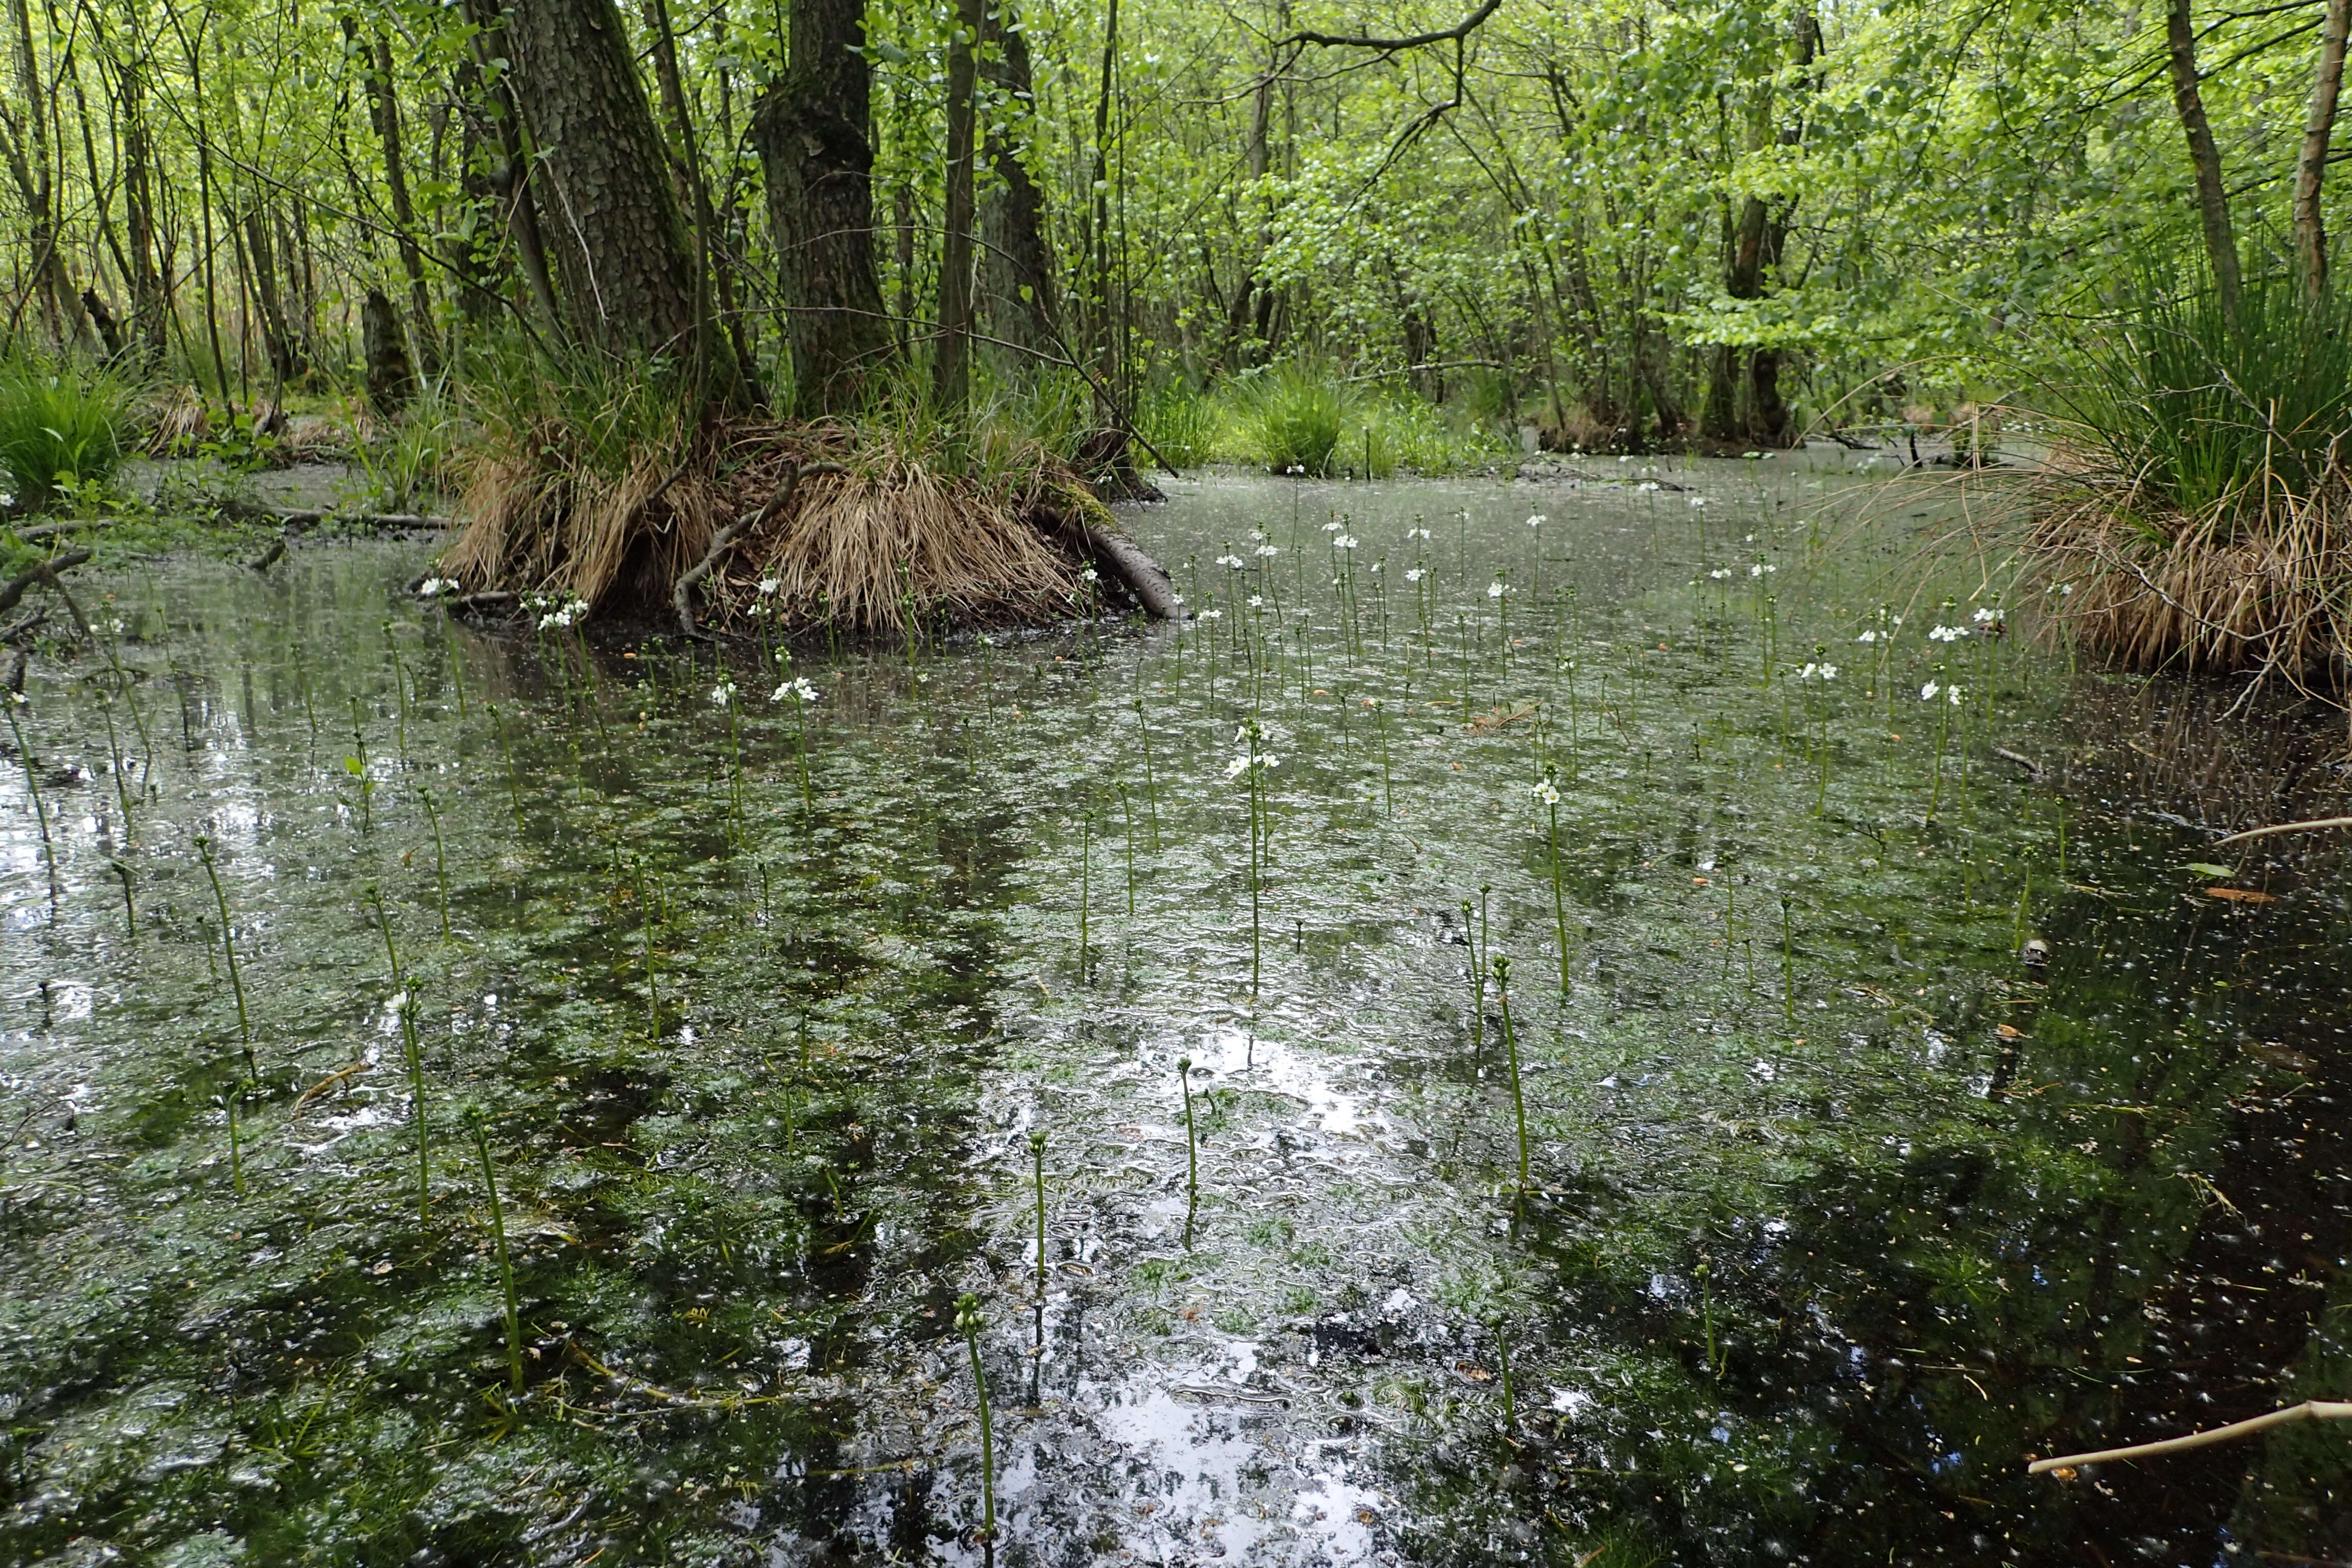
x=760, y=1009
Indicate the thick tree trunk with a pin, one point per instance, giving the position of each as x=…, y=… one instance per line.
x=951, y=361
x=391, y=380
x=512, y=182
x=619, y=244
x=1016, y=263
x=2204, y=157
x=812, y=131
x=2310, y=231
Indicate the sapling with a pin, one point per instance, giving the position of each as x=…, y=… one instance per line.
x=968, y=1320
x=474, y=1121
x=1191, y=1147
x=228, y=942
x=1511, y=1048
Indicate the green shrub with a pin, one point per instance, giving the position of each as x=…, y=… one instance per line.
x=415, y=457
x=61, y=427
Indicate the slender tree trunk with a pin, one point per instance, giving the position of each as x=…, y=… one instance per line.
x=1016, y=262
x=2204, y=157
x=619, y=244
x=951, y=366
x=2310, y=232
x=150, y=305
x=812, y=130
x=383, y=111
x=513, y=181
x=695, y=192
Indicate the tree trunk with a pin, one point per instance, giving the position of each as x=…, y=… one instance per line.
x=812, y=130
x=620, y=247
x=951, y=363
x=1016, y=262
x=513, y=181
x=391, y=380
x=2204, y=157
x=383, y=118
x=695, y=192
x=2310, y=231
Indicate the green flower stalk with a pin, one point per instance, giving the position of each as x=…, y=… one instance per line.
x=440, y=856
x=968, y=1321
x=1511, y=1046
x=404, y=1005
x=1548, y=791
x=228, y=942
x=505, y=1259
x=1191, y=1147
x=1037, y=1158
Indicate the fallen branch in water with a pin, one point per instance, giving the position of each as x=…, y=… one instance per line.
x=2309, y=1410
x=39, y=572
x=2028, y=764
x=2316, y=823
x=386, y=522
x=51, y=530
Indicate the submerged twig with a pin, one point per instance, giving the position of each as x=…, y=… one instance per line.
x=2309, y=1410
x=2312, y=825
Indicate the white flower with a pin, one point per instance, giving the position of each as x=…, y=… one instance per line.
x=1647, y=485
x=1235, y=768
x=1818, y=672
x=1952, y=695
x=1698, y=501
x=1546, y=792
x=1495, y=590
x=1720, y=572
x=770, y=584
x=1087, y=574
x=1760, y=568
x=1209, y=616
x=1266, y=550
x=1345, y=542
x=1235, y=562
x=1537, y=519
x=1376, y=565
x=1947, y=634
x=1257, y=601
x=722, y=694
x=434, y=587
x=1985, y=616
x=1175, y=598
x=1333, y=526
x=799, y=689
x=1867, y=637
x=2065, y=588
x=1414, y=573
x=1416, y=533
x=1268, y=760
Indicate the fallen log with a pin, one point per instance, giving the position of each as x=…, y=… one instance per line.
x=1117, y=556
x=39, y=572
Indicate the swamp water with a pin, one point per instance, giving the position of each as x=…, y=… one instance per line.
x=1834, y=1213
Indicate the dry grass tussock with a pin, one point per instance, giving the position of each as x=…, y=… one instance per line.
x=895, y=534
x=2256, y=579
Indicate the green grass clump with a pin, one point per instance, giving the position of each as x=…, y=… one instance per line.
x=1293, y=417
x=61, y=427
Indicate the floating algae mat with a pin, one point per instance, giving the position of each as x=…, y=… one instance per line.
x=506, y=1098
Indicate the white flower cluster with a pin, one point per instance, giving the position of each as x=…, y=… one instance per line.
x=1537, y=519
x=1545, y=791
x=1495, y=590
x=1986, y=616
x=798, y=689
x=1416, y=533
x=1266, y=550
x=1818, y=672
x=1929, y=692
x=1414, y=573
x=722, y=694
x=1345, y=542
x=1760, y=568
x=1719, y=573
x=563, y=616
x=1235, y=562
x=434, y=587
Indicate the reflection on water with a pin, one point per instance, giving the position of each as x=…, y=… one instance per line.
x=1836, y=1210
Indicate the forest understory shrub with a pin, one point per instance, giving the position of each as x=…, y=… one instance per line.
x=62, y=426
x=2196, y=511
